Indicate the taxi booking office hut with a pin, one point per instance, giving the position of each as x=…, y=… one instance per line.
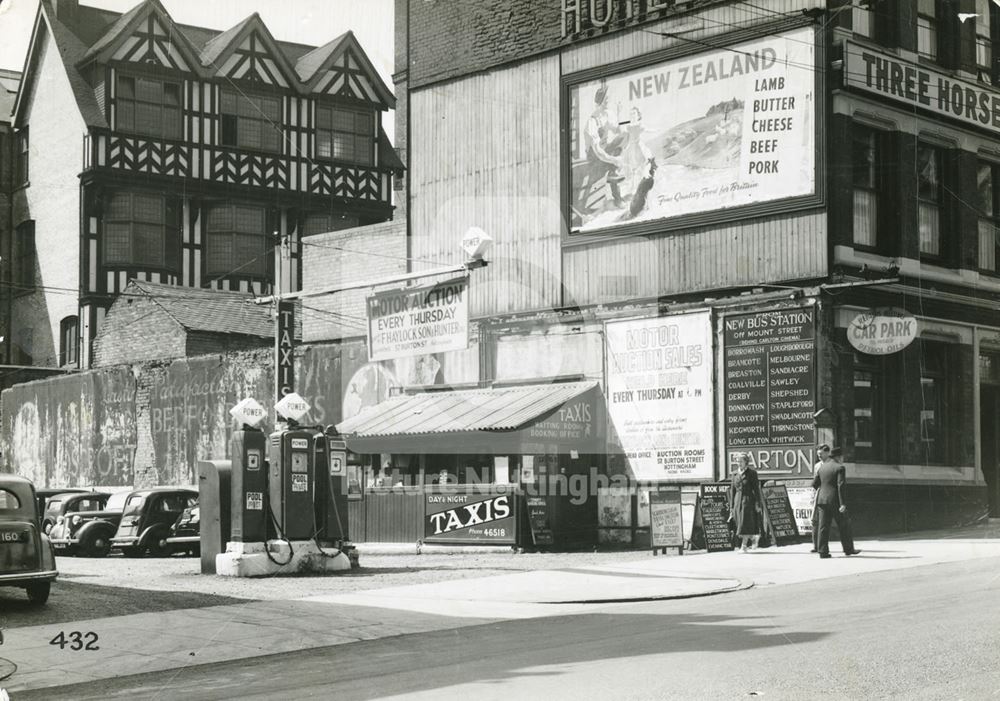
x=437, y=452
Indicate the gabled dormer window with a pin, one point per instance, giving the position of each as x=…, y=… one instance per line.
x=250, y=121
x=344, y=134
x=149, y=106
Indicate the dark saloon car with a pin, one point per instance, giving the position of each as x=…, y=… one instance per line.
x=26, y=557
x=89, y=533
x=68, y=503
x=185, y=534
x=147, y=518
x=42, y=496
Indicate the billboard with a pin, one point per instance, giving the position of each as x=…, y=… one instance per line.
x=419, y=320
x=714, y=131
x=659, y=385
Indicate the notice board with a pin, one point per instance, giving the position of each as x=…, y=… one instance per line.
x=778, y=513
x=770, y=389
x=538, y=520
x=711, y=518
x=666, y=525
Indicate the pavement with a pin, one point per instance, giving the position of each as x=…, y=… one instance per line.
x=168, y=640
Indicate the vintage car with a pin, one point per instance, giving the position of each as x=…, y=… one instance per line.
x=67, y=503
x=185, y=534
x=42, y=496
x=89, y=533
x=147, y=518
x=26, y=556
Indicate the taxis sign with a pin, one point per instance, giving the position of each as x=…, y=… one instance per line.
x=882, y=331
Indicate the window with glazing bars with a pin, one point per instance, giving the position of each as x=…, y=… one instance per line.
x=149, y=106
x=927, y=29
x=21, y=157
x=139, y=232
x=345, y=134
x=322, y=223
x=870, y=434
x=865, y=168
x=933, y=401
x=929, y=199
x=236, y=241
x=989, y=215
x=984, y=40
x=251, y=121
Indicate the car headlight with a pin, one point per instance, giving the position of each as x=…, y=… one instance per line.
x=60, y=519
x=74, y=520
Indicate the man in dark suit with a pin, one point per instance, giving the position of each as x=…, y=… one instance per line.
x=831, y=500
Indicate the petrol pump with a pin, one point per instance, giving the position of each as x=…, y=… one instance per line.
x=291, y=485
x=332, y=503
x=248, y=483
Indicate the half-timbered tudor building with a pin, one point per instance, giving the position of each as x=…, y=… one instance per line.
x=758, y=226
x=179, y=155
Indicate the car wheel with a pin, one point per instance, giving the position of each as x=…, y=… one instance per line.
x=157, y=546
x=95, y=545
x=38, y=592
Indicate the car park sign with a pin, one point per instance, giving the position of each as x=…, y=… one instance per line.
x=249, y=412
x=292, y=406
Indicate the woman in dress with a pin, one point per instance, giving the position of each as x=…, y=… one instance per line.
x=744, y=496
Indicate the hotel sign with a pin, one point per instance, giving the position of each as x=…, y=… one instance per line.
x=908, y=83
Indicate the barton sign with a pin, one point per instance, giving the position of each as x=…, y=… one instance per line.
x=419, y=320
x=882, y=331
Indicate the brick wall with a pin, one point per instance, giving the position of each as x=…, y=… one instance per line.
x=342, y=257
x=137, y=329
x=203, y=343
x=449, y=39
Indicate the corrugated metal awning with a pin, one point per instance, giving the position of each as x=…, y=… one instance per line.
x=492, y=409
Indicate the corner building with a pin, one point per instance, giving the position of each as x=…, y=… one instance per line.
x=170, y=154
x=756, y=227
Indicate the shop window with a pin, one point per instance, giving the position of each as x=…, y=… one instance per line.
x=251, y=121
x=988, y=204
x=68, y=341
x=21, y=157
x=867, y=180
x=930, y=214
x=141, y=230
x=23, y=272
x=870, y=428
x=927, y=29
x=322, y=223
x=236, y=241
x=933, y=404
x=345, y=134
x=148, y=106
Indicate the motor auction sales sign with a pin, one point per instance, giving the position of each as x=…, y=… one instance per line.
x=660, y=394
x=419, y=320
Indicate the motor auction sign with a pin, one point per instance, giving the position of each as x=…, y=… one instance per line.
x=770, y=388
x=470, y=515
x=419, y=320
x=660, y=394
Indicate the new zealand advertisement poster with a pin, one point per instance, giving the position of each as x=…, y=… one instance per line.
x=722, y=129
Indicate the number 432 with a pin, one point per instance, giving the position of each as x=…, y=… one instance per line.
x=76, y=641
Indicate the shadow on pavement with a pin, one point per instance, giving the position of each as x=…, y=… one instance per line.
x=76, y=601
x=438, y=659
